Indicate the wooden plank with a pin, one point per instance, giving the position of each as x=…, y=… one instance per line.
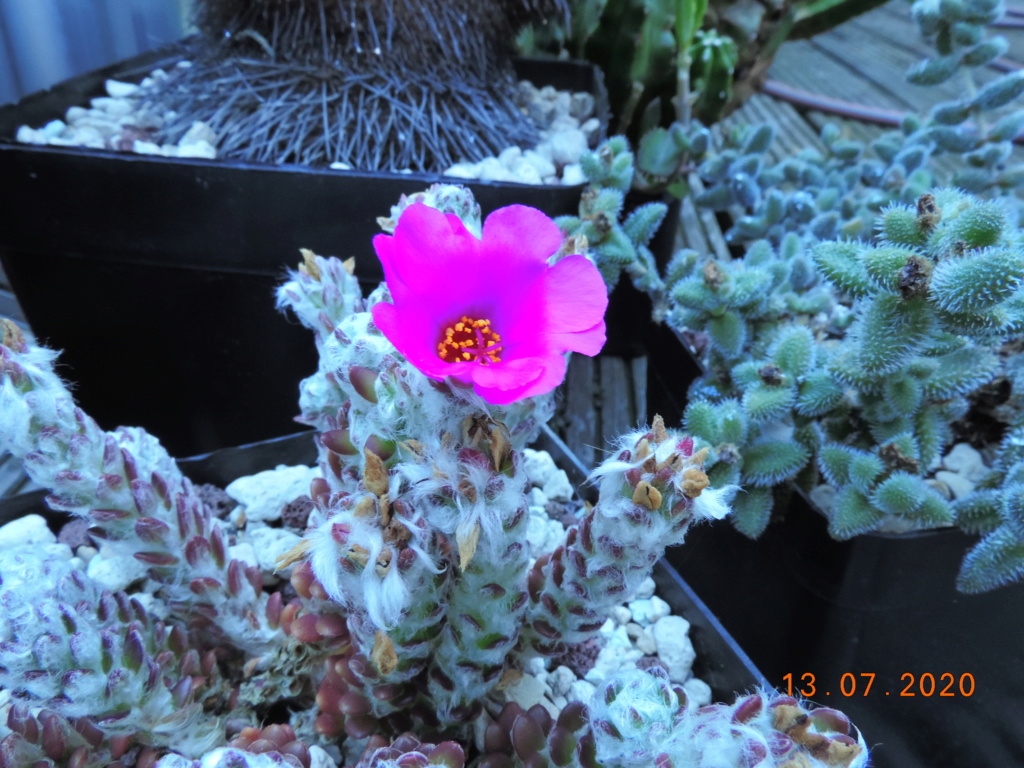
x=638, y=372
x=579, y=409
x=618, y=410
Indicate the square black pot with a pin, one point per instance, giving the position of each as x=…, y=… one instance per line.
x=156, y=276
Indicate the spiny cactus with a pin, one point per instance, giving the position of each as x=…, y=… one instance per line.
x=852, y=360
x=375, y=84
x=841, y=192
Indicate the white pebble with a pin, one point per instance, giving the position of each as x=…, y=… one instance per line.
x=270, y=544
x=957, y=483
x=581, y=690
x=31, y=529
x=646, y=642
x=318, y=757
x=141, y=147
x=538, y=465
x=965, y=460
x=537, y=666
x=557, y=487
x=645, y=590
x=616, y=654
x=266, y=494
x=543, y=165
x=76, y=113
x=573, y=174
x=674, y=646
x=463, y=171
x=26, y=135
x=590, y=128
x=201, y=149
x=560, y=681
x=54, y=128
x=620, y=615
x=542, y=533
x=85, y=552
x=199, y=131
x=88, y=136
x=525, y=173
x=649, y=610
x=115, y=573
x=491, y=169
x=526, y=691
x=824, y=497
x=567, y=146
x=537, y=498
x=244, y=552
x=509, y=157
x=698, y=693
x=119, y=89
x=57, y=551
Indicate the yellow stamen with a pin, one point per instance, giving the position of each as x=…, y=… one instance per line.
x=468, y=339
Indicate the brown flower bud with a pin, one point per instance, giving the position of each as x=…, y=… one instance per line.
x=647, y=496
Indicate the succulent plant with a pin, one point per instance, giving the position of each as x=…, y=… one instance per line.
x=841, y=192
x=851, y=361
x=375, y=84
x=412, y=599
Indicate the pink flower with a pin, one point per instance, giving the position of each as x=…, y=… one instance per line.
x=490, y=312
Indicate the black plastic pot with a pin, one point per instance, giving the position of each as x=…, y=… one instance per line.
x=156, y=275
x=877, y=605
x=720, y=661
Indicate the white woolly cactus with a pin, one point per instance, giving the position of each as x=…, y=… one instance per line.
x=415, y=598
x=639, y=720
x=134, y=496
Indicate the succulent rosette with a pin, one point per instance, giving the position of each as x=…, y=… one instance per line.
x=493, y=311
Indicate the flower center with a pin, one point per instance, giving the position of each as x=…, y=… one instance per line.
x=468, y=339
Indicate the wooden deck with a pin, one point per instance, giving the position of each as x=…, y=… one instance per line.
x=864, y=62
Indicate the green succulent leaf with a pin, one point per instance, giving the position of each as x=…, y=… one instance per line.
x=818, y=394
x=751, y=511
x=852, y=514
x=840, y=263
x=900, y=495
x=865, y=469
x=641, y=225
x=889, y=331
x=996, y=560
x=977, y=281
x=701, y=420
x=978, y=513
x=793, y=350
x=764, y=402
x=959, y=372
x=728, y=332
x=771, y=462
x=884, y=265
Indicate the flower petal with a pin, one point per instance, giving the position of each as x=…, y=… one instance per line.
x=518, y=237
x=410, y=338
x=566, y=306
x=430, y=255
x=507, y=382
